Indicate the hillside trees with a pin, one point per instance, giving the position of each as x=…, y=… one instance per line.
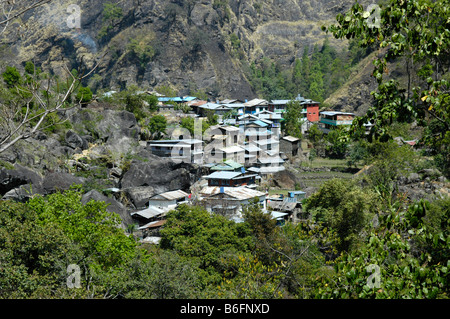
x=293, y=119
x=28, y=101
x=417, y=32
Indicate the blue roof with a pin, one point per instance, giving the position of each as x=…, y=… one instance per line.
x=176, y=99
x=261, y=123
x=223, y=175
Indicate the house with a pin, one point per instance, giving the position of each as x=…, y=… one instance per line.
x=168, y=200
x=227, y=134
x=252, y=152
x=228, y=165
x=181, y=150
x=216, y=153
x=229, y=200
x=195, y=104
x=254, y=129
x=148, y=214
x=278, y=106
x=310, y=108
x=274, y=118
x=151, y=219
x=218, y=109
x=333, y=119
x=290, y=145
x=230, y=179
x=255, y=106
x=235, y=108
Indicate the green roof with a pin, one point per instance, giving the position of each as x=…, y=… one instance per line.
x=228, y=165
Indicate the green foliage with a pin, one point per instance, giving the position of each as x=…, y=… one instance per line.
x=157, y=126
x=344, y=207
x=338, y=142
x=142, y=50
x=415, y=32
x=111, y=14
x=84, y=95
x=194, y=232
x=90, y=226
x=11, y=76
x=406, y=270
x=293, y=119
x=189, y=124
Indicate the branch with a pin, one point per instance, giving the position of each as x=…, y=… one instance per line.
x=35, y=5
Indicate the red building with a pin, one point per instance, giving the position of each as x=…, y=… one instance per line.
x=312, y=112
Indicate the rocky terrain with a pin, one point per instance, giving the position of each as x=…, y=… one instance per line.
x=183, y=44
x=107, y=159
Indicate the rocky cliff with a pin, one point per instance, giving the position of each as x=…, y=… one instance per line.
x=187, y=45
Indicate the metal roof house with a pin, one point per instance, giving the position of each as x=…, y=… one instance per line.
x=183, y=150
x=229, y=200
x=289, y=145
x=228, y=165
x=333, y=119
x=230, y=179
x=168, y=200
x=255, y=106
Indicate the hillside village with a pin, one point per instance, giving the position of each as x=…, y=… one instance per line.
x=239, y=153
x=225, y=149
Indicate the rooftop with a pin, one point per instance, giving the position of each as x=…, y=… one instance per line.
x=290, y=138
x=240, y=193
x=172, y=195
x=332, y=113
x=223, y=175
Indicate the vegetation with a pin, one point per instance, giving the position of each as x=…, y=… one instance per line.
x=417, y=32
x=319, y=72
x=293, y=119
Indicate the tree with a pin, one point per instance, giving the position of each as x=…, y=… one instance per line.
x=84, y=95
x=193, y=232
x=338, y=143
x=11, y=76
x=26, y=105
x=293, y=119
x=415, y=32
x=157, y=126
x=344, y=207
x=388, y=265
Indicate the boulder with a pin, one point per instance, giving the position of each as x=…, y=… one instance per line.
x=13, y=178
x=139, y=196
x=413, y=178
x=60, y=181
x=76, y=141
x=160, y=172
x=285, y=179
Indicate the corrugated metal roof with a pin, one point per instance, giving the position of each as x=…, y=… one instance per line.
x=149, y=212
x=255, y=102
x=232, y=149
x=290, y=138
x=240, y=193
x=223, y=175
x=172, y=195
x=233, y=163
x=331, y=113
x=154, y=224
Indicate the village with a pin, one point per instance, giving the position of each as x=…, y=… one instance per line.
x=240, y=152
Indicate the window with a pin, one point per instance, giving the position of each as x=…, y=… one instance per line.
x=235, y=139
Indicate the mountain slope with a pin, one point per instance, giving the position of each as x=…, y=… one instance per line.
x=187, y=45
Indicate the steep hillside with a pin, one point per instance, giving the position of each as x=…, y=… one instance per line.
x=184, y=44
